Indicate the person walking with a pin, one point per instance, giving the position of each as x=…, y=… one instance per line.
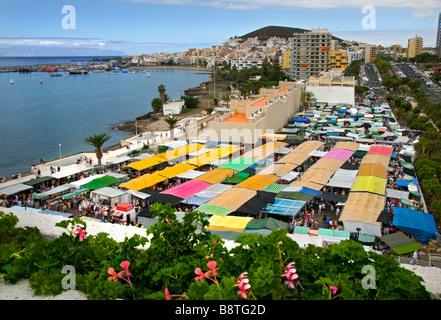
x=414, y=257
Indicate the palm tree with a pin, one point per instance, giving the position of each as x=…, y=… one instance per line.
x=161, y=90
x=209, y=110
x=97, y=141
x=156, y=105
x=307, y=96
x=171, y=122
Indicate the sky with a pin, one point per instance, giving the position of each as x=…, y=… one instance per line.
x=150, y=26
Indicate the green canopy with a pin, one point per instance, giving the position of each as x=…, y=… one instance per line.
x=237, y=178
x=213, y=210
x=73, y=194
x=275, y=187
x=227, y=235
x=239, y=164
x=36, y=181
x=267, y=223
x=291, y=195
x=301, y=230
x=101, y=182
x=400, y=243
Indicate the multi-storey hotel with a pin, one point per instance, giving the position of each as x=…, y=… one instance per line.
x=310, y=54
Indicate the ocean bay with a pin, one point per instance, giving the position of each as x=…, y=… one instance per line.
x=64, y=110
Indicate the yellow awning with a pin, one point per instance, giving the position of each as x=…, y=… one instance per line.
x=228, y=223
x=215, y=176
x=173, y=171
x=372, y=169
x=213, y=155
x=182, y=151
x=258, y=181
x=144, y=181
x=146, y=163
x=370, y=184
x=296, y=158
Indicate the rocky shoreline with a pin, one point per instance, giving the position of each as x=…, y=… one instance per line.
x=155, y=121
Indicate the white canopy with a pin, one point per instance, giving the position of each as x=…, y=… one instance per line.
x=304, y=240
x=343, y=178
x=15, y=188
x=397, y=194
x=65, y=173
x=190, y=174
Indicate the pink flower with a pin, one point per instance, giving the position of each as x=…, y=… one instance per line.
x=290, y=275
x=113, y=274
x=125, y=265
x=243, y=288
x=201, y=275
x=242, y=283
x=167, y=295
x=80, y=233
x=212, y=266
x=333, y=290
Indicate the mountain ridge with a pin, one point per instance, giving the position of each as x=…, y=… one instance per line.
x=276, y=31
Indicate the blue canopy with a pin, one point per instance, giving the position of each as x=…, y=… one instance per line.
x=297, y=119
x=415, y=181
x=312, y=192
x=284, y=207
x=332, y=133
x=402, y=183
x=331, y=121
x=419, y=224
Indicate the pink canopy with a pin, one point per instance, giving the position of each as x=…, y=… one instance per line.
x=384, y=150
x=187, y=189
x=341, y=154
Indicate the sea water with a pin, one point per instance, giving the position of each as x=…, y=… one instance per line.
x=37, y=118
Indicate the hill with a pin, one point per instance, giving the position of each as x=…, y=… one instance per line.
x=276, y=31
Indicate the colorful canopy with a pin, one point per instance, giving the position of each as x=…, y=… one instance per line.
x=144, y=181
x=101, y=182
x=236, y=178
x=341, y=154
x=372, y=169
x=187, y=189
x=238, y=164
x=213, y=210
x=332, y=164
x=376, y=158
x=284, y=207
x=228, y=223
x=361, y=211
x=384, y=150
x=370, y=184
x=216, y=175
x=233, y=198
x=258, y=182
x=419, y=224
x=146, y=163
x=177, y=169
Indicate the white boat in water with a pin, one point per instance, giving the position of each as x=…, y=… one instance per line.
x=148, y=74
x=12, y=81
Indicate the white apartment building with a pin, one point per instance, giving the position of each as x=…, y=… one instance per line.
x=246, y=63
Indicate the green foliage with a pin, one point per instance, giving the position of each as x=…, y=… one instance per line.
x=177, y=248
x=156, y=105
x=190, y=102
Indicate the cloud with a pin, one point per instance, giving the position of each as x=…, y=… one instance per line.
x=387, y=38
x=421, y=8
x=26, y=46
